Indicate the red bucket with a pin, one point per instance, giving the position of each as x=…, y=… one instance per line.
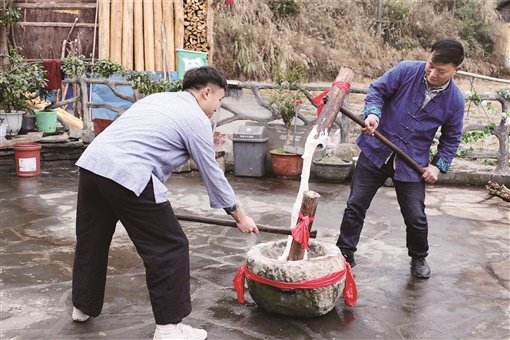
x=27, y=157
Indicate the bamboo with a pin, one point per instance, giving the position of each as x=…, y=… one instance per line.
x=168, y=19
x=148, y=32
x=104, y=29
x=127, y=34
x=138, y=39
x=116, y=31
x=158, y=36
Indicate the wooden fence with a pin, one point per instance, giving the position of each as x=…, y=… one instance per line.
x=141, y=35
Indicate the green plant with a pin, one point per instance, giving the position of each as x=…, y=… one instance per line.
x=284, y=99
x=21, y=81
x=10, y=14
x=74, y=66
x=472, y=137
x=284, y=8
x=143, y=82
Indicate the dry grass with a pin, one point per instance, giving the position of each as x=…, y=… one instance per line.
x=325, y=35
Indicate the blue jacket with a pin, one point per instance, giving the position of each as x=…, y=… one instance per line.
x=397, y=98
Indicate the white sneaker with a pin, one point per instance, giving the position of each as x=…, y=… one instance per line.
x=179, y=332
x=79, y=316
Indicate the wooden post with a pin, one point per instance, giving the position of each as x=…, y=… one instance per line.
x=210, y=31
x=158, y=36
x=308, y=208
x=179, y=26
x=148, y=34
x=116, y=31
x=127, y=34
x=138, y=31
x=336, y=99
x=104, y=29
x=168, y=19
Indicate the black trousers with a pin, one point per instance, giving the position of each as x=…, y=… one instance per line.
x=156, y=234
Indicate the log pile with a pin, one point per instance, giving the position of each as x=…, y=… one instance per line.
x=195, y=25
x=496, y=189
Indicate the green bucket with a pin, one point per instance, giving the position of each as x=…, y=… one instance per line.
x=46, y=120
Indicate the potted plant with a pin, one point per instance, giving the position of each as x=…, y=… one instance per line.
x=284, y=104
x=19, y=81
x=338, y=163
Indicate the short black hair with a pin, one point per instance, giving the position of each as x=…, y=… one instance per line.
x=200, y=77
x=446, y=51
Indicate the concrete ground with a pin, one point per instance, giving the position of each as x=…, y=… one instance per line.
x=467, y=296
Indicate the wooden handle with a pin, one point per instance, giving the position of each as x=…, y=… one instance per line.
x=405, y=157
x=227, y=223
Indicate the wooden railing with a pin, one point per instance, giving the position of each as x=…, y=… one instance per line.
x=501, y=131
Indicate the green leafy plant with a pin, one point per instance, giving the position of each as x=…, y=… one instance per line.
x=143, y=82
x=10, y=14
x=471, y=137
x=284, y=99
x=21, y=81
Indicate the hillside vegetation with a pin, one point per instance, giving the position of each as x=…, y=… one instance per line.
x=252, y=37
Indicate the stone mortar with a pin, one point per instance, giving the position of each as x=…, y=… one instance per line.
x=323, y=259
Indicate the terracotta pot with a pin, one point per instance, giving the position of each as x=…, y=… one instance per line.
x=286, y=165
x=100, y=124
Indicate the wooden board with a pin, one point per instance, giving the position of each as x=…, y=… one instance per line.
x=138, y=36
x=116, y=31
x=179, y=24
x=127, y=34
x=148, y=32
x=158, y=36
x=168, y=20
x=210, y=31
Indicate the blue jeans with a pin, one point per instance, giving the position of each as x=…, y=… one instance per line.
x=366, y=180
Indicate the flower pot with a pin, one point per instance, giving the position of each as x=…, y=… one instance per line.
x=100, y=124
x=332, y=172
x=46, y=120
x=27, y=124
x=3, y=131
x=13, y=119
x=286, y=165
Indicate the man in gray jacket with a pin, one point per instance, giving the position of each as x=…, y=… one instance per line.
x=122, y=178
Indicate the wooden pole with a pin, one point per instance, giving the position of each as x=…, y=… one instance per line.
x=210, y=31
x=308, y=208
x=178, y=26
x=138, y=40
x=401, y=154
x=116, y=31
x=148, y=32
x=227, y=223
x=104, y=29
x=158, y=36
x=336, y=99
x=127, y=34
x=168, y=19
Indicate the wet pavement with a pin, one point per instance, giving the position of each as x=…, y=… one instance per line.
x=467, y=296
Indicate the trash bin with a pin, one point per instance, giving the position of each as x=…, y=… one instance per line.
x=189, y=59
x=250, y=149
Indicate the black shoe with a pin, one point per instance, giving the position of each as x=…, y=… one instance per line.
x=350, y=260
x=420, y=268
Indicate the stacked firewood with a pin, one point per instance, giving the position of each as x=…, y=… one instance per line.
x=197, y=14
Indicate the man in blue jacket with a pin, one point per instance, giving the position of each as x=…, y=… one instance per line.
x=407, y=105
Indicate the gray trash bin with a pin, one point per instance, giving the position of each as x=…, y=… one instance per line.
x=250, y=149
